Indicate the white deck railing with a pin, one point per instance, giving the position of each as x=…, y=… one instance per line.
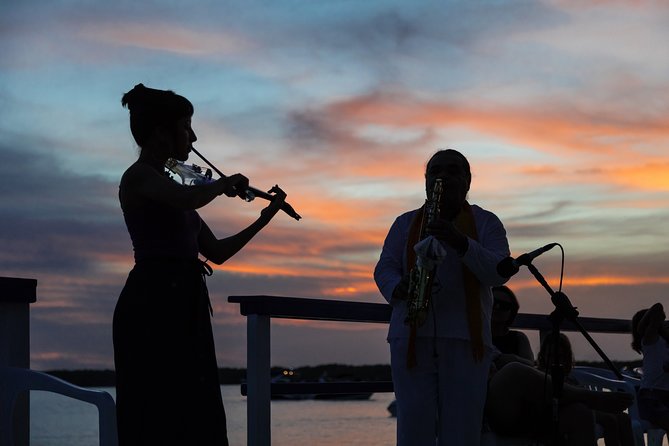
x=16, y=378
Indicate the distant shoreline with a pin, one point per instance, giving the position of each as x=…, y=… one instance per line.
x=228, y=375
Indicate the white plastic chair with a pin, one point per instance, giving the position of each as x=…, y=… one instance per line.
x=605, y=380
x=13, y=381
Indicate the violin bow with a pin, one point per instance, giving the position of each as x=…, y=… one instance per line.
x=285, y=207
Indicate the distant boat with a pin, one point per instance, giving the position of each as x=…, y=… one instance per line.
x=341, y=396
x=290, y=376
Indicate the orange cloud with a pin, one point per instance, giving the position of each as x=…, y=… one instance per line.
x=638, y=174
x=650, y=176
x=594, y=281
x=611, y=149
x=553, y=130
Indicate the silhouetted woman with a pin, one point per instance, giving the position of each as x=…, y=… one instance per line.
x=520, y=403
x=167, y=377
x=650, y=337
x=505, y=308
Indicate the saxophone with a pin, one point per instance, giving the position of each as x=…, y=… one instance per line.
x=421, y=276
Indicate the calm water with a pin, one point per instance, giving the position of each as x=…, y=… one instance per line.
x=59, y=421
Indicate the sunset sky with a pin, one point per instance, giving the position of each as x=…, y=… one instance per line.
x=562, y=108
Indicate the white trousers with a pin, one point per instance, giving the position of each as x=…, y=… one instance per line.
x=441, y=400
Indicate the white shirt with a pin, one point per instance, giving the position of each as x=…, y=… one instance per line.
x=447, y=317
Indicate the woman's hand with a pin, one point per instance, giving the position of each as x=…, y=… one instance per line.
x=274, y=206
x=234, y=185
x=220, y=250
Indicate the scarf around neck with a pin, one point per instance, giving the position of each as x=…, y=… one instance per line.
x=465, y=223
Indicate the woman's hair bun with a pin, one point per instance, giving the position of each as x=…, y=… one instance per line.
x=150, y=107
x=135, y=96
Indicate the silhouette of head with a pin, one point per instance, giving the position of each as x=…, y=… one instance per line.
x=453, y=169
x=151, y=109
x=505, y=305
x=546, y=355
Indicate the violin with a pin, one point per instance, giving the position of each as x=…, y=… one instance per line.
x=192, y=175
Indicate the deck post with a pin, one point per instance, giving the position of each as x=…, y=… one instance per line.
x=15, y=297
x=258, y=378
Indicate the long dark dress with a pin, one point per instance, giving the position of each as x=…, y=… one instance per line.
x=167, y=388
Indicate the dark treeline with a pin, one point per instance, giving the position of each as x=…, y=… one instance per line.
x=107, y=378
x=379, y=372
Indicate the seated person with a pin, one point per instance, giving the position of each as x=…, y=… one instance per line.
x=520, y=401
x=504, y=310
x=650, y=337
x=616, y=426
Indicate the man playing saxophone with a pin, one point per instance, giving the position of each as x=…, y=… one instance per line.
x=440, y=359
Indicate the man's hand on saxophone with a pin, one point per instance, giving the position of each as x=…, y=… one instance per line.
x=401, y=291
x=446, y=232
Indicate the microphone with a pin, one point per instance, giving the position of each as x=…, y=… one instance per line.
x=510, y=266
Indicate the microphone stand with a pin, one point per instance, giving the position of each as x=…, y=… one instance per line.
x=564, y=310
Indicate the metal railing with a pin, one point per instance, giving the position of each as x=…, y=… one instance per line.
x=260, y=309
